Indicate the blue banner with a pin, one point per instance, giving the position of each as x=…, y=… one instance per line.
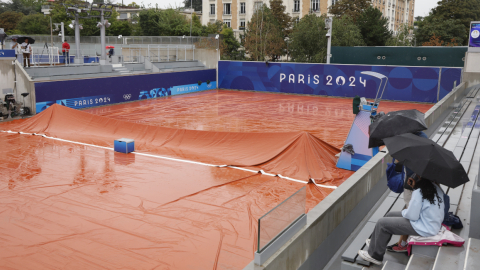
x=7, y=53
x=418, y=84
x=86, y=93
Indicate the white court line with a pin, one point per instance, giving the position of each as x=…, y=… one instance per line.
x=176, y=159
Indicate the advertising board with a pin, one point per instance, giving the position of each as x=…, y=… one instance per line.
x=86, y=93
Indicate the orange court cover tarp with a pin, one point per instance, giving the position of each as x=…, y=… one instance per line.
x=67, y=205
x=298, y=155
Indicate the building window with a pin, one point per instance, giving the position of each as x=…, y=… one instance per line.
x=242, y=24
x=296, y=6
x=212, y=9
x=258, y=5
x=242, y=8
x=226, y=9
x=123, y=16
x=227, y=22
x=314, y=5
x=334, y=2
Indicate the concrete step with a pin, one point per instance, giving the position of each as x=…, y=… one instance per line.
x=419, y=262
x=389, y=265
x=472, y=259
x=448, y=257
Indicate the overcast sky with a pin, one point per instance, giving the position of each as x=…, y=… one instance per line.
x=422, y=7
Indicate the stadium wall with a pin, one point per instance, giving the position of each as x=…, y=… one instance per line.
x=437, y=56
x=84, y=93
x=417, y=84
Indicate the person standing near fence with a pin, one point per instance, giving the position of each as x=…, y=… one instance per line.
x=26, y=50
x=66, y=50
x=14, y=46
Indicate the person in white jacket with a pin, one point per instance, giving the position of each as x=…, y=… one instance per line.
x=423, y=217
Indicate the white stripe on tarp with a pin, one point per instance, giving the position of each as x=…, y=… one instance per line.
x=175, y=159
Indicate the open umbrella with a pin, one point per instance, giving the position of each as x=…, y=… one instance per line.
x=110, y=47
x=427, y=159
x=21, y=39
x=395, y=123
x=13, y=37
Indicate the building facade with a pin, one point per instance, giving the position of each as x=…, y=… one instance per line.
x=397, y=12
x=237, y=13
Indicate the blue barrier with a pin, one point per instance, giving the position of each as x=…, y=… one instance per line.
x=44, y=59
x=102, y=91
x=405, y=83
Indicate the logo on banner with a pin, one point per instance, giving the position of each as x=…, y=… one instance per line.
x=475, y=34
x=127, y=96
x=315, y=79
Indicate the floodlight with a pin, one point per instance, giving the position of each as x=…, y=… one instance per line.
x=99, y=25
x=70, y=25
x=183, y=36
x=107, y=24
x=217, y=36
x=59, y=34
x=80, y=27
x=119, y=36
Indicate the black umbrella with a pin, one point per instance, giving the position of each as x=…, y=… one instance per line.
x=20, y=40
x=395, y=123
x=13, y=37
x=427, y=159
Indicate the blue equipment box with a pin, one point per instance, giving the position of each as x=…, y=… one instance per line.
x=124, y=145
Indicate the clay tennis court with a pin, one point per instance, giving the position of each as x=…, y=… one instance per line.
x=69, y=201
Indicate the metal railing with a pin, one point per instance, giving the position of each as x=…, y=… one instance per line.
x=158, y=53
x=129, y=40
x=50, y=56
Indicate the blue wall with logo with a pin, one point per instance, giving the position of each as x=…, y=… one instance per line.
x=102, y=91
x=405, y=83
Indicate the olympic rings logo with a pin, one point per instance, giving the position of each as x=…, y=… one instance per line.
x=127, y=96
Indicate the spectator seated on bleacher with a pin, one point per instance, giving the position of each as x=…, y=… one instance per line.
x=423, y=217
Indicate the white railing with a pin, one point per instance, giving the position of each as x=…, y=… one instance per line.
x=44, y=56
x=158, y=53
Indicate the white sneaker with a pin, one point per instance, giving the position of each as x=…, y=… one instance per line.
x=366, y=257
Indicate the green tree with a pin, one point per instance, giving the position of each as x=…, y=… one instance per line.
x=134, y=5
x=448, y=31
x=229, y=45
x=263, y=36
x=403, y=37
x=374, y=27
x=147, y=20
x=351, y=8
x=464, y=11
x=213, y=28
x=308, y=41
x=284, y=20
x=17, y=6
x=34, y=24
x=118, y=27
x=10, y=19
x=197, y=4
x=171, y=23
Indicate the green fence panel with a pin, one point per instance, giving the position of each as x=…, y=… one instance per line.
x=400, y=56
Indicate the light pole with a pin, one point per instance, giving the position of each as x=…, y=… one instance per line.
x=106, y=10
x=78, y=9
x=191, y=16
x=328, y=27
